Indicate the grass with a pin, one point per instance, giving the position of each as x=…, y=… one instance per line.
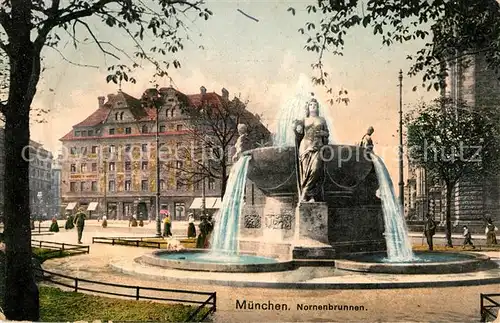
x=61, y=306
x=186, y=243
x=45, y=254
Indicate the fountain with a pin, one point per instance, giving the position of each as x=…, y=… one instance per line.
x=321, y=208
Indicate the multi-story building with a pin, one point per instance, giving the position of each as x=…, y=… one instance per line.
x=109, y=158
x=40, y=168
x=473, y=200
x=41, y=195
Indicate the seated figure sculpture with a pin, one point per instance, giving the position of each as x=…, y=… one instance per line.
x=242, y=143
x=367, y=141
x=311, y=135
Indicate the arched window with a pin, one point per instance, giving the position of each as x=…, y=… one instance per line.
x=116, y=116
x=172, y=112
x=162, y=185
x=166, y=113
x=121, y=116
x=144, y=129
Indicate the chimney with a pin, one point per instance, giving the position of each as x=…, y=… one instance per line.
x=203, y=90
x=225, y=93
x=101, y=101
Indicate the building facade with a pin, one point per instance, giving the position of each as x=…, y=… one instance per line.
x=109, y=159
x=473, y=200
x=55, y=205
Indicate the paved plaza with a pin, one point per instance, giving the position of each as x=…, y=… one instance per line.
x=288, y=304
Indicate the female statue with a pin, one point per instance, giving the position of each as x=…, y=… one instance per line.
x=311, y=134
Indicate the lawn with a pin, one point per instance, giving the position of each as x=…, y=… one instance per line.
x=61, y=306
x=44, y=254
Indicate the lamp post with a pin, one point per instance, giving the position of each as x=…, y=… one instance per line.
x=401, y=180
x=39, y=195
x=153, y=97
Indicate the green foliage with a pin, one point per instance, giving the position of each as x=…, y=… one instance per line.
x=44, y=254
x=61, y=306
x=453, y=29
x=451, y=140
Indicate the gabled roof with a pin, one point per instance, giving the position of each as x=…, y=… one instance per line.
x=211, y=98
x=97, y=117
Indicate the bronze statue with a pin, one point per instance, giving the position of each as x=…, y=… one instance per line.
x=367, y=141
x=311, y=135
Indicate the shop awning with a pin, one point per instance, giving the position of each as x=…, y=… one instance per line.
x=210, y=203
x=70, y=206
x=92, y=206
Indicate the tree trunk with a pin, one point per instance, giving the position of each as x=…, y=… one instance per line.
x=449, y=189
x=21, y=299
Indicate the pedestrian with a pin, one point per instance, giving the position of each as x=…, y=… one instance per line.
x=104, y=221
x=54, y=227
x=80, y=223
x=167, y=226
x=191, y=232
x=467, y=238
x=491, y=236
x=69, y=222
x=429, y=231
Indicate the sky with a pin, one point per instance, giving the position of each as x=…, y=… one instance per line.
x=260, y=61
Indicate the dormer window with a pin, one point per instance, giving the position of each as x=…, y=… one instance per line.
x=84, y=133
x=144, y=129
x=121, y=116
x=112, y=131
x=116, y=116
x=77, y=133
x=90, y=133
x=166, y=113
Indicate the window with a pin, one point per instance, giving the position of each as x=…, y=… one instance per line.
x=111, y=186
x=90, y=133
x=73, y=151
x=179, y=127
x=127, y=148
x=162, y=185
x=112, y=148
x=144, y=129
x=162, y=128
x=77, y=133
x=179, y=185
x=180, y=164
x=128, y=165
x=94, y=167
x=72, y=168
x=94, y=186
x=144, y=148
x=84, y=133
x=82, y=186
x=84, y=150
x=197, y=185
x=211, y=183
x=167, y=112
x=111, y=166
x=121, y=116
x=144, y=165
x=128, y=185
x=116, y=116
x=128, y=130
x=83, y=168
x=172, y=112
x=111, y=131
x=94, y=149
x=72, y=186
x=144, y=185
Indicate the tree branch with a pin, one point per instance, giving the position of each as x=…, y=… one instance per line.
x=71, y=62
x=96, y=40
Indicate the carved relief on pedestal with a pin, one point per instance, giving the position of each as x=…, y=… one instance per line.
x=281, y=221
x=252, y=221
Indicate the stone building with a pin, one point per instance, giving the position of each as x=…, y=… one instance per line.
x=477, y=85
x=55, y=205
x=109, y=158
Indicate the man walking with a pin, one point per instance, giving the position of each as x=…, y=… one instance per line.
x=80, y=223
x=429, y=231
x=467, y=238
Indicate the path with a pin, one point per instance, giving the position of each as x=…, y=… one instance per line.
x=419, y=304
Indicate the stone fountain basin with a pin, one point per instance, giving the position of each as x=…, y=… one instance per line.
x=457, y=263
x=155, y=259
x=273, y=169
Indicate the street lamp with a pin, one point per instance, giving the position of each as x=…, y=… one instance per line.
x=39, y=195
x=401, y=180
x=153, y=97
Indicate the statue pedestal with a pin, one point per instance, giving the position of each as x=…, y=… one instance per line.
x=311, y=232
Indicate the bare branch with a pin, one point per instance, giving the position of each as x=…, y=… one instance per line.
x=96, y=40
x=71, y=62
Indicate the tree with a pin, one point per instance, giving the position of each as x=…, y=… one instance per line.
x=451, y=142
x=29, y=27
x=453, y=29
x=214, y=123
